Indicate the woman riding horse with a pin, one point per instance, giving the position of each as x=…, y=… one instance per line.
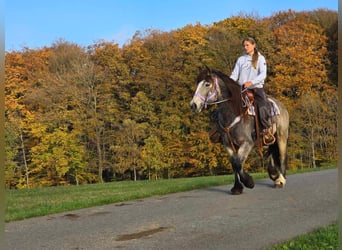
x=238, y=129
x=250, y=72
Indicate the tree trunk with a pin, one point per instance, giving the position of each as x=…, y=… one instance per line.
x=99, y=155
x=135, y=173
x=24, y=159
x=313, y=149
x=76, y=178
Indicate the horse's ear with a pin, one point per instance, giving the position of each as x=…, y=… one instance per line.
x=208, y=69
x=202, y=70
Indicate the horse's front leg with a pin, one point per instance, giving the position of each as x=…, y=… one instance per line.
x=237, y=168
x=237, y=159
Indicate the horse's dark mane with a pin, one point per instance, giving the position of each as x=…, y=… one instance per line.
x=234, y=89
x=232, y=85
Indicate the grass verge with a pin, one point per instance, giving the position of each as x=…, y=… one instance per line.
x=322, y=238
x=26, y=203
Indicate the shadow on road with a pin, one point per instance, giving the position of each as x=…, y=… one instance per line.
x=266, y=183
x=226, y=189
x=219, y=190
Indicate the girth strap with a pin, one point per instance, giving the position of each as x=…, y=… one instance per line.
x=227, y=130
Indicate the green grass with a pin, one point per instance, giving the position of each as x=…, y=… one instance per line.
x=26, y=203
x=324, y=238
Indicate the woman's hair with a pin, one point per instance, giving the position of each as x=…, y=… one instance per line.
x=256, y=54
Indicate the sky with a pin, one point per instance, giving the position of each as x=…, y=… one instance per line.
x=37, y=23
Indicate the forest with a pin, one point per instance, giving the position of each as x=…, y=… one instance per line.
x=77, y=115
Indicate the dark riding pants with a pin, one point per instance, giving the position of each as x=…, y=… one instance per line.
x=263, y=107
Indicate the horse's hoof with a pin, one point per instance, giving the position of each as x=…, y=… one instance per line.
x=280, y=182
x=278, y=185
x=236, y=191
x=249, y=184
x=248, y=181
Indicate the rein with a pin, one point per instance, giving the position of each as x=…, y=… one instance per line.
x=217, y=102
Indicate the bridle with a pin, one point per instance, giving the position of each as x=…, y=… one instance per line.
x=213, y=94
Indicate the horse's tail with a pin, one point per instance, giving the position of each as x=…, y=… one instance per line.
x=273, y=150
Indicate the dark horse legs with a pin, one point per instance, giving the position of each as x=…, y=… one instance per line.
x=241, y=177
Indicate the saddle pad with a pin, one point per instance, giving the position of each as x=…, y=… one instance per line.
x=274, y=108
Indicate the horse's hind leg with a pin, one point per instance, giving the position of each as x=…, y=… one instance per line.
x=277, y=164
x=282, y=144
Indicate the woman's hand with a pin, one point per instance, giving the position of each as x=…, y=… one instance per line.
x=247, y=84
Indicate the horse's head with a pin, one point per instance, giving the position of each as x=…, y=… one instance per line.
x=207, y=92
x=214, y=87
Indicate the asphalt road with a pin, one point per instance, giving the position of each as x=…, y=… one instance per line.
x=201, y=219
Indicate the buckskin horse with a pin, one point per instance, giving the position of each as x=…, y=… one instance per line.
x=238, y=128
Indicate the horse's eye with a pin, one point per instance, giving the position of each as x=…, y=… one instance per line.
x=207, y=84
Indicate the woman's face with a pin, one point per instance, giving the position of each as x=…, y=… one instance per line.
x=249, y=47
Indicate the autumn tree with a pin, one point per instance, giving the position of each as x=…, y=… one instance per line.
x=15, y=150
x=59, y=99
x=58, y=159
x=224, y=41
x=191, y=42
x=104, y=101
x=152, y=155
x=299, y=73
x=23, y=71
x=127, y=152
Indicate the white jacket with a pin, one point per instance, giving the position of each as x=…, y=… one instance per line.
x=245, y=72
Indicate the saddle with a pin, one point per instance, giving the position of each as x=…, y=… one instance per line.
x=247, y=96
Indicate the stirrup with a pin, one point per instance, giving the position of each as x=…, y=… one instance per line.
x=268, y=138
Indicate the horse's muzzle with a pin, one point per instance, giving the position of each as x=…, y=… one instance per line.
x=194, y=107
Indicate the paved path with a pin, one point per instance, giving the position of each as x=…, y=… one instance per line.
x=201, y=219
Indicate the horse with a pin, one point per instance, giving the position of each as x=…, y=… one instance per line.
x=238, y=128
